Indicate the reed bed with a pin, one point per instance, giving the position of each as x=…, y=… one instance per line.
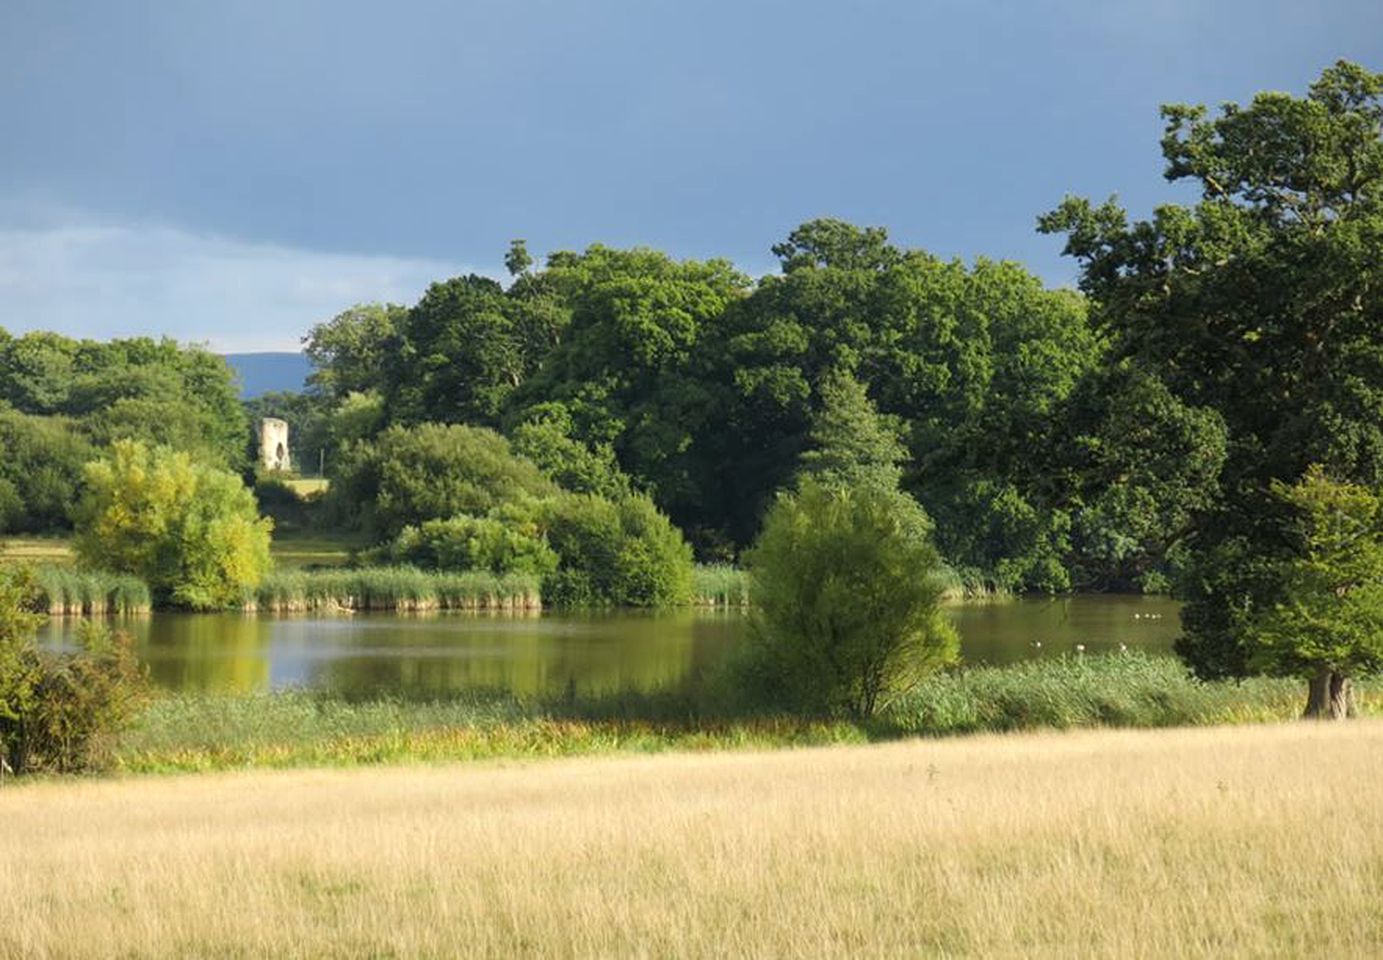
x=720, y=585
x=69, y=592
x=209, y=731
x=1225, y=842
x=398, y=589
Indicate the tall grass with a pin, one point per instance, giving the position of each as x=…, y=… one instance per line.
x=1131, y=689
x=720, y=585
x=969, y=584
x=403, y=589
x=91, y=593
x=1262, y=842
x=298, y=728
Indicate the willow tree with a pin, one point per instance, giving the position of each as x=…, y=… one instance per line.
x=1263, y=303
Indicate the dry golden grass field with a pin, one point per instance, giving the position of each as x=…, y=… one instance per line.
x=1245, y=841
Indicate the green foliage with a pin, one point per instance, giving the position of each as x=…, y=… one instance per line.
x=60, y=709
x=498, y=544
x=459, y=353
x=1259, y=305
x=348, y=351
x=545, y=437
x=629, y=367
x=977, y=364
x=41, y=463
x=1330, y=612
x=846, y=588
x=409, y=475
x=1147, y=465
x=151, y=390
x=192, y=732
x=850, y=445
x=616, y=553
x=189, y=530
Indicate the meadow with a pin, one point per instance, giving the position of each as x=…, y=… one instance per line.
x=1258, y=841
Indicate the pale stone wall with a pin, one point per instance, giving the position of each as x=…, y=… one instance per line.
x=273, y=444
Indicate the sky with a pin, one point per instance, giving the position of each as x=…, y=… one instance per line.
x=231, y=173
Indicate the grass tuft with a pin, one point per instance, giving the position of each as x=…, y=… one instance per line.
x=401, y=589
x=70, y=592
x=720, y=585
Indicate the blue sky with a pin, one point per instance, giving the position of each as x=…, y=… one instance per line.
x=234, y=172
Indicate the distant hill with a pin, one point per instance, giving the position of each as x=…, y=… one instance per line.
x=262, y=373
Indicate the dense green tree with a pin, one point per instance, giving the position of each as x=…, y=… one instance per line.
x=545, y=437
x=849, y=443
x=627, y=369
x=139, y=388
x=349, y=350
x=409, y=475
x=1261, y=303
x=1327, y=625
x=1144, y=466
x=41, y=466
x=846, y=588
x=978, y=363
x=458, y=354
x=188, y=529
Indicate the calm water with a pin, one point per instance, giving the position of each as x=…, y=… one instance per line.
x=421, y=656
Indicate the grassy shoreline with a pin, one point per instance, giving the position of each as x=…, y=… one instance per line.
x=195, y=733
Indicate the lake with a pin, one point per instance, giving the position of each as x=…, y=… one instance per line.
x=549, y=654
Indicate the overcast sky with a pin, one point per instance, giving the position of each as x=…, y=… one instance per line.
x=233, y=172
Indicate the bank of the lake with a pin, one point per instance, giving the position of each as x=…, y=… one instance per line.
x=198, y=732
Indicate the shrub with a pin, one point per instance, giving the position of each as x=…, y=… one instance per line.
x=508, y=543
x=847, y=587
x=621, y=553
x=190, y=531
x=59, y=710
x=409, y=475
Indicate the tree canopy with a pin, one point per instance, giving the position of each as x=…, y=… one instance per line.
x=1259, y=306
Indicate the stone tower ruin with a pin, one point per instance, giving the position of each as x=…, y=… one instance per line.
x=273, y=444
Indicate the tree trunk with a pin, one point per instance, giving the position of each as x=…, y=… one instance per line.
x=1330, y=697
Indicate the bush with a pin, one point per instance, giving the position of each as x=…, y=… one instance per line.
x=59, y=710
x=494, y=544
x=620, y=553
x=847, y=589
x=409, y=475
x=190, y=531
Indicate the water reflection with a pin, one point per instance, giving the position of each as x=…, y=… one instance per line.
x=551, y=655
